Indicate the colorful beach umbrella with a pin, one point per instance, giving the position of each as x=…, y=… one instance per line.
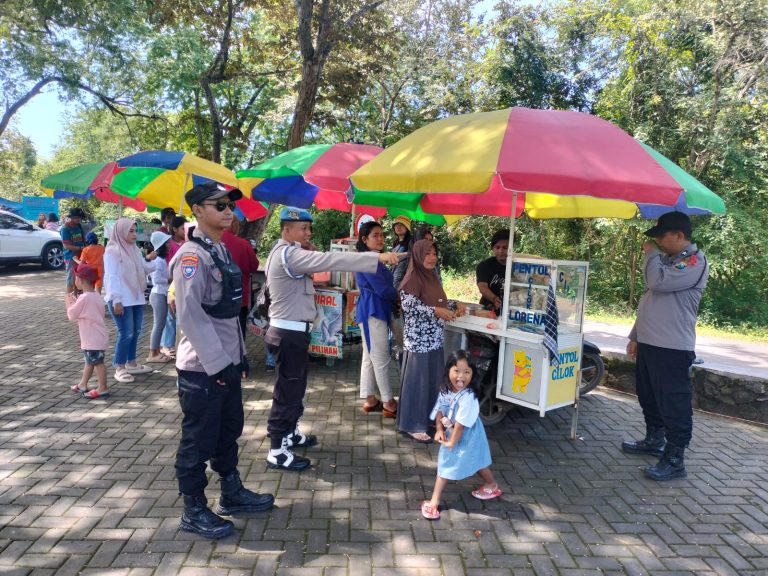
x=319, y=174
x=556, y=164
x=160, y=178
x=88, y=180
x=312, y=174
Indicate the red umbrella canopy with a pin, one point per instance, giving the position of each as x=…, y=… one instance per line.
x=314, y=173
x=577, y=163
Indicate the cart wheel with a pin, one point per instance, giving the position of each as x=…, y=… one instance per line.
x=592, y=371
x=492, y=410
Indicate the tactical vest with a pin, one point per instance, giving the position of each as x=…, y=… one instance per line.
x=231, y=282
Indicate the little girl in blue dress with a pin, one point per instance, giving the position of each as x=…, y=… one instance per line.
x=464, y=447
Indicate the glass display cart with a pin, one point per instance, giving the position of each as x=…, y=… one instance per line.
x=512, y=347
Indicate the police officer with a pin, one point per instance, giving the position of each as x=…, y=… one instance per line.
x=291, y=312
x=210, y=362
x=663, y=341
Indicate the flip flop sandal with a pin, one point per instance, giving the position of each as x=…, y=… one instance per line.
x=427, y=440
x=95, y=394
x=122, y=375
x=378, y=407
x=138, y=369
x=429, y=512
x=159, y=359
x=389, y=413
x=77, y=390
x=484, y=493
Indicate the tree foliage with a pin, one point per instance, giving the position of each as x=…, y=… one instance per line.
x=239, y=81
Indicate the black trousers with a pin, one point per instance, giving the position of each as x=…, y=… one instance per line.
x=291, y=352
x=664, y=389
x=244, y=320
x=212, y=422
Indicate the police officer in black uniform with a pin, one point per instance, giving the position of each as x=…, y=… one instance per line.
x=210, y=362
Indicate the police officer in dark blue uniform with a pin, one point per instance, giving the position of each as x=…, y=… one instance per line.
x=210, y=362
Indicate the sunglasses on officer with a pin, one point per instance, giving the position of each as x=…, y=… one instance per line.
x=221, y=206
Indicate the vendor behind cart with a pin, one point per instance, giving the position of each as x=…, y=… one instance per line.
x=490, y=272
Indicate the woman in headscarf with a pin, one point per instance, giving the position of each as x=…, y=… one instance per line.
x=125, y=280
x=425, y=311
x=421, y=233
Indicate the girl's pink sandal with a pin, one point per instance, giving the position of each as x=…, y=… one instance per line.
x=484, y=493
x=429, y=512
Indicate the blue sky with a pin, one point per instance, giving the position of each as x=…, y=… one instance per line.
x=42, y=121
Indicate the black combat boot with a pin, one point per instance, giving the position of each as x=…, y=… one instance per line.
x=670, y=466
x=653, y=443
x=237, y=498
x=198, y=519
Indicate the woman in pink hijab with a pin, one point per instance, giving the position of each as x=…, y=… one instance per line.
x=125, y=279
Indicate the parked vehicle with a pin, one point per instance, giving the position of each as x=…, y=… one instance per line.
x=21, y=241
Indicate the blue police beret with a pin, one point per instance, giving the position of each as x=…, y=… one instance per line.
x=291, y=214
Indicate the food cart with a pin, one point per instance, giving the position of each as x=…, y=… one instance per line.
x=510, y=350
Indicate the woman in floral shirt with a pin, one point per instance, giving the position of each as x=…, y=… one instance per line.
x=425, y=311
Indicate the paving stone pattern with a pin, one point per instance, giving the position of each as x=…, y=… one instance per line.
x=89, y=488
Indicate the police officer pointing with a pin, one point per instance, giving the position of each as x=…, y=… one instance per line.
x=291, y=313
x=210, y=361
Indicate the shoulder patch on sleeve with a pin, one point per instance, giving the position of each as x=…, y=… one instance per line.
x=189, y=264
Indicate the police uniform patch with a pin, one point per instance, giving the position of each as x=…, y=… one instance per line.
x=189, y=263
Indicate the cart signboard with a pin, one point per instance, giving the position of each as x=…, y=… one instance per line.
x=351, y=328
x=564, y=378
x=326, y=336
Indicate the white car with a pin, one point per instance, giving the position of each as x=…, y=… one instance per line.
x=21, y=241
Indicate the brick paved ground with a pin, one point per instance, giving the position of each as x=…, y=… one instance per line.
x=88, y=488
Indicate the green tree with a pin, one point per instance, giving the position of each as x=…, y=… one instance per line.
x=17, y=163
x=83, y=48
x=689, y=78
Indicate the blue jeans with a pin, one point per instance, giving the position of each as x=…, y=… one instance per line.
x=169, y=333
x=128, y=332
x=270, y=358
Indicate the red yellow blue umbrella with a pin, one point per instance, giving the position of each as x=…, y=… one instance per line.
x=318, y=174
x=552, y=163
x=161, y=178
x=88, y=180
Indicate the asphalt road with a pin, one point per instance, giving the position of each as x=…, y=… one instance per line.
x=722, y=354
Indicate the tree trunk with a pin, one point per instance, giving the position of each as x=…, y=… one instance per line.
x=216, y=128
x=305, y=102
x=314, y=53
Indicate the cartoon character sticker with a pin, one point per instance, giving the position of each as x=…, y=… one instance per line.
x=523, y=372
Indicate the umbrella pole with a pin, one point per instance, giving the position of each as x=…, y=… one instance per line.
x=510, y=256
x=505, y=304
x=181, y=202
x=119, y=206
x=352, y=223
